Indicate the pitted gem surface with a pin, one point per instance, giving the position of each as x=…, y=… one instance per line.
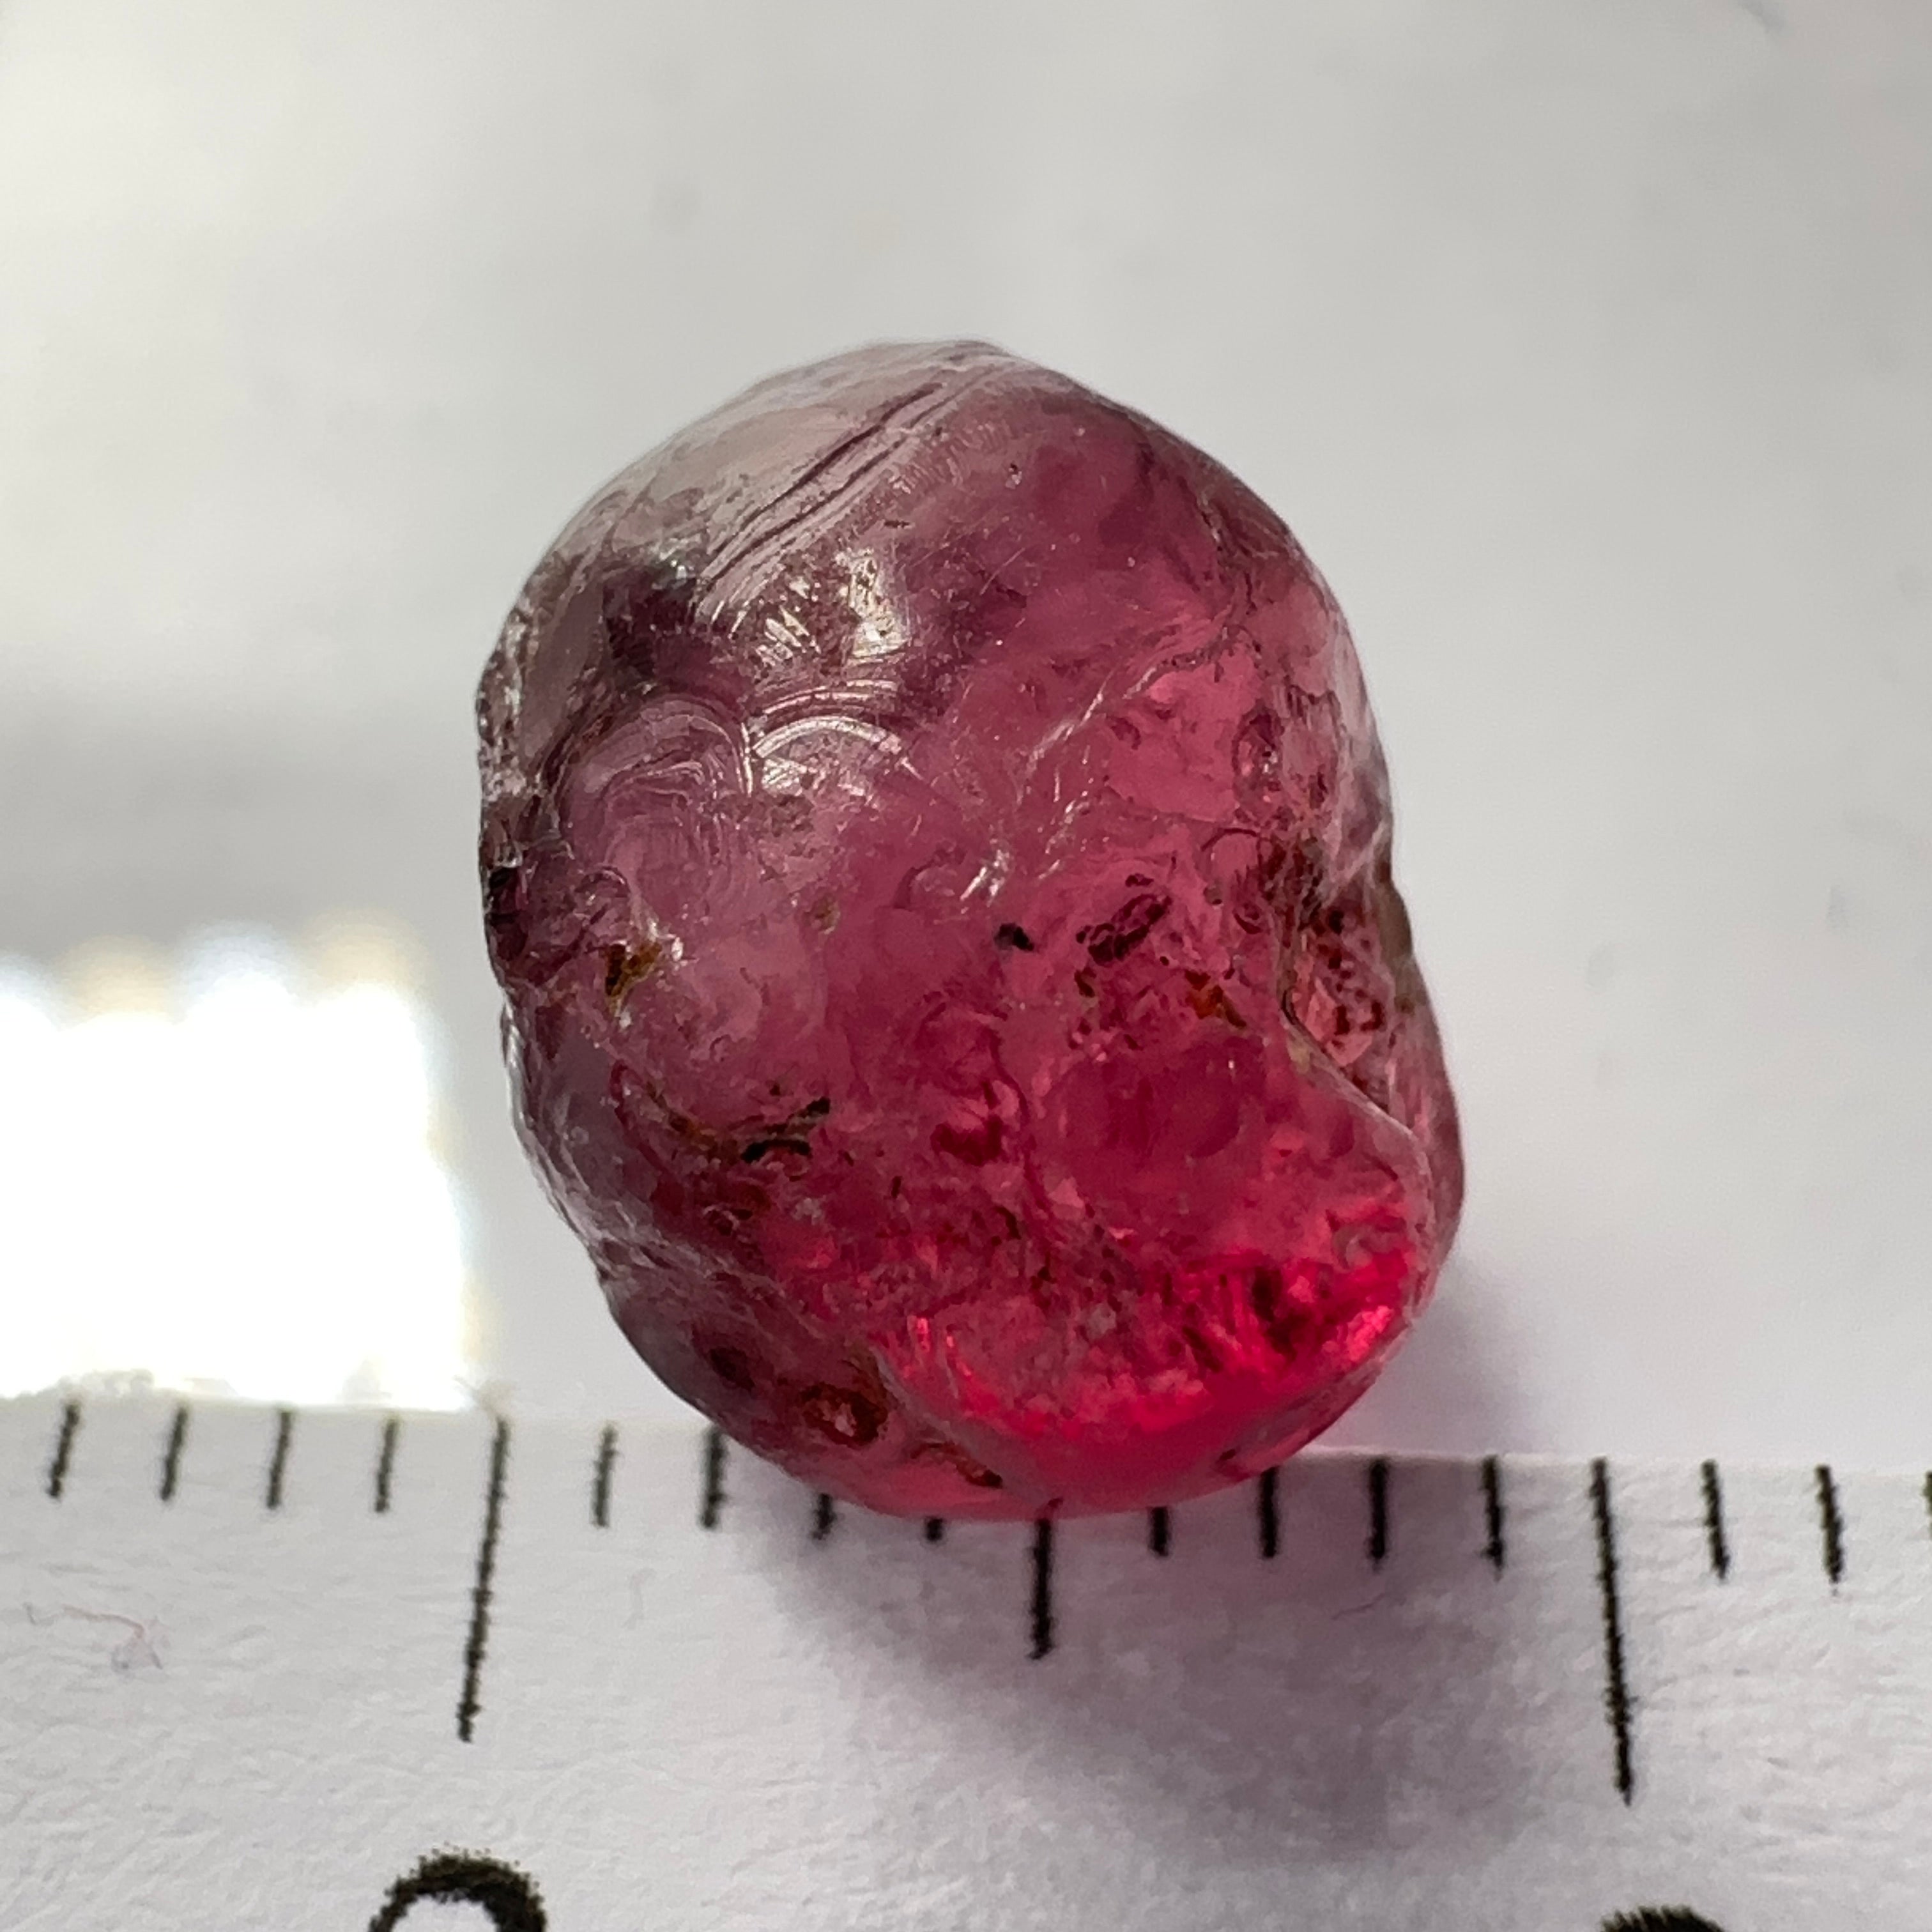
x=936, y=855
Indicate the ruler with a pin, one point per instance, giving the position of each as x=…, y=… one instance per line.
x=285, y=1670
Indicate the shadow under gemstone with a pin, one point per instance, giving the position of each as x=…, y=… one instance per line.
x=1318, y=1662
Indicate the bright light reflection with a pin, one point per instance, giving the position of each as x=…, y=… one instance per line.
x=220, y=1173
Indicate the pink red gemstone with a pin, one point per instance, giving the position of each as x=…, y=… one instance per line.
x=936, y=851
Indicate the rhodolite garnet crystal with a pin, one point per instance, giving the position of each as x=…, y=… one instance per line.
x=936, y=855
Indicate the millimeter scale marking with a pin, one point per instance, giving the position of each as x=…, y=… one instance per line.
x=1616, y=1686
x=409, y=1636
x=475, y=1647
x=1493, y=1547
x=821, y=1517
x=1711, y=1482
x=600, y=1478
x=385, y=1464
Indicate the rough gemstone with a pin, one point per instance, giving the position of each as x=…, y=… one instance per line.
x=936, y=855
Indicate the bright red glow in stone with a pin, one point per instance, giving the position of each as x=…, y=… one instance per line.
x=937, y=857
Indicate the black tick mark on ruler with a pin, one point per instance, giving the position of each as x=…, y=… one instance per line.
x=1157, y=1532
x=824, y=1514
x=1378, y=1511
x=471, y=1702
x=1616, y=1688
x=171, y=1454
x=1268, y=1508
x=278, y=1459
x=1831, y=1525
x=464, y=1878
x=385, y=1463
x=711, y=1500
x=1042, y=1587
x=1492, y=1513
x=1715, y=1539
x=600, y=1476
x=63, y=1455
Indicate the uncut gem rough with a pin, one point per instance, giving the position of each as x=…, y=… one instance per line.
x=935, y=853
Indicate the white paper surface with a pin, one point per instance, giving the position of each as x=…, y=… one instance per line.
x=215, y=1713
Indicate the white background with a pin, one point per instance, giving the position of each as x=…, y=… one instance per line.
x=1588, y=347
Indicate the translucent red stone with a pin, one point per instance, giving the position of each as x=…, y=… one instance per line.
x=936, y=852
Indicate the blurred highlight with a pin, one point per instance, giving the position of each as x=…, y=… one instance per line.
x=220, y=1171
